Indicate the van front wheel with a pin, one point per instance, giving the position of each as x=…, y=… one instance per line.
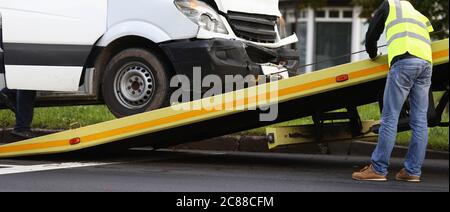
x=135, y=81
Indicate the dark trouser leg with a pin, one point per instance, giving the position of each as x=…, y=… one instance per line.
x=25, y=109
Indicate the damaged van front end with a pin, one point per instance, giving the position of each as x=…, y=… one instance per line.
x=234, y=38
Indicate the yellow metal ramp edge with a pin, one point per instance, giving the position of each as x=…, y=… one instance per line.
x=167, y=118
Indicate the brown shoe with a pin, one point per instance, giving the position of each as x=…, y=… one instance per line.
x=368, y=174
x=404, y=176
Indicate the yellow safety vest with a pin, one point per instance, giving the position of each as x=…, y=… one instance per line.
x=407, y=31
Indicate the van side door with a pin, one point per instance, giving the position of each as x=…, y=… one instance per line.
x=47, y=42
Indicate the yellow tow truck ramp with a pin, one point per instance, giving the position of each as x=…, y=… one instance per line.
x=343, y=86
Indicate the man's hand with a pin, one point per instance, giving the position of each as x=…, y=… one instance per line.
x=375, y=57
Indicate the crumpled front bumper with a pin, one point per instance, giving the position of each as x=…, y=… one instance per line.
x=223, y=57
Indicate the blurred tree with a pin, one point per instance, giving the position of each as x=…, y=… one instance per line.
x=310, y=3
x=435, y=10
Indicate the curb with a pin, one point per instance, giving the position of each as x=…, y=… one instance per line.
x=259, y=144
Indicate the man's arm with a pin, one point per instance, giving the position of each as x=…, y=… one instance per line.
x=376, y=28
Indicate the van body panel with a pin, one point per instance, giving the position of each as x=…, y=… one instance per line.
x=79, y=22
x=156, y=20
x=134, y=28
x=38, y=35
x=59, y=78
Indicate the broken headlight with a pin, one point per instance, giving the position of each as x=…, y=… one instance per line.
x=202, y=14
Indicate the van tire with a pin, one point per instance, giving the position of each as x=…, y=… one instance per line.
x=135, y=81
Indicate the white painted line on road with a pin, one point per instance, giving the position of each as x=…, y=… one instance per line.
x=17, y=169
x=203, y=152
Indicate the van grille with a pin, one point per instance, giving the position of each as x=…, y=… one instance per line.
x=253, y=27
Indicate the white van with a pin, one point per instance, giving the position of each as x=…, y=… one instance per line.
x=124, y=53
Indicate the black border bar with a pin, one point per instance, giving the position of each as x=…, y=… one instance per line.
x=46, y=54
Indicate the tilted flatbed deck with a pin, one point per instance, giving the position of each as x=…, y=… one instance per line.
x=297, y=97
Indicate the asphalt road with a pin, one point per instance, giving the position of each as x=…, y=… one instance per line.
x=165, y=170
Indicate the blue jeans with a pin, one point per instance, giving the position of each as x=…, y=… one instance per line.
x=411, y=76
x=24, y=101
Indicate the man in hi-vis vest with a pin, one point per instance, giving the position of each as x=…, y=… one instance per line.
x=410, y=61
